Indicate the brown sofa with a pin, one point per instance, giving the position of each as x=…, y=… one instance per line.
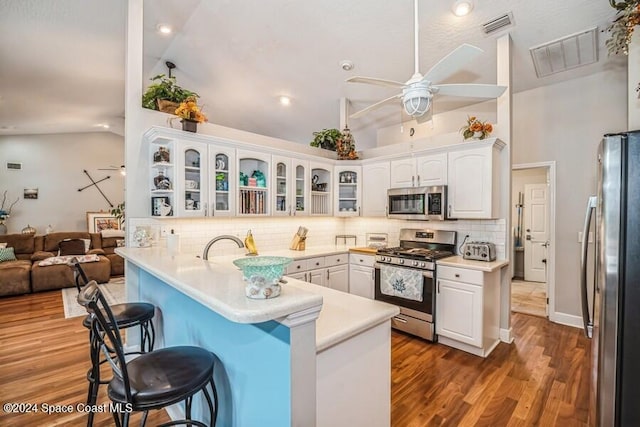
x=25, y=275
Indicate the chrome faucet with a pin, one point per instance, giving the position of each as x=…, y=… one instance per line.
x=205, y=254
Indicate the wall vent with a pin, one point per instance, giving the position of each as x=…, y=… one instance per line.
x=14, y=166
x=498, y=23
x=566, y=53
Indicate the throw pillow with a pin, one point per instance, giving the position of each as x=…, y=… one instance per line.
x=3, y=245
x=72, y=247
x=7, y=254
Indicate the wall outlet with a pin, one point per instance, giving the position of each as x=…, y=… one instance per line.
x=164, y=230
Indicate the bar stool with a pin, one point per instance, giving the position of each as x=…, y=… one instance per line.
x=153, y=380
x=126, y=315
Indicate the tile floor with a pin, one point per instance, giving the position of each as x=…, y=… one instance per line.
x=528, y=297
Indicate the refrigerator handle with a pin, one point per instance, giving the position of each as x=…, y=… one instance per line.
x=587, y=319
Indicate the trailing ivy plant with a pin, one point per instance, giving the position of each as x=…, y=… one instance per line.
x=164, y=88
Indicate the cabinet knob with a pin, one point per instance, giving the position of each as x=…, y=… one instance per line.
x=298, y=267
x=317, y=263
x=338, y=260
x=457, y=275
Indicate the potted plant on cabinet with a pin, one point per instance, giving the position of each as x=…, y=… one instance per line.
x=165, y=95
x=326, y=138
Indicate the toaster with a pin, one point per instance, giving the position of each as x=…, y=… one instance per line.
x=479, y=251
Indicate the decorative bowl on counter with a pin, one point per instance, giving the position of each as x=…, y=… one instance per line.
x=262, y=274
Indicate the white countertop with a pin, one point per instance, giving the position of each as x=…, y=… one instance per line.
x=458, y=261
x=218, y=284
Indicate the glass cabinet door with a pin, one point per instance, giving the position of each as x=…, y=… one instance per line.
x=222, y=181
x=193, y=200
x=282, y=203
x=348, y=190
x=300, y=183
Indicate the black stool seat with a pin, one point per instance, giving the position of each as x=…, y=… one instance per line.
x=128, y=314
x=164, y=376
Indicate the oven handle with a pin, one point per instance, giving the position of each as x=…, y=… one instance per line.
x=400, y=319
x=426, y=273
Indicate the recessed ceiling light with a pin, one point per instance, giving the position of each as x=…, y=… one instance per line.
x=165, y=29
x=285, y=100
x=346, y=65
x=462, y=7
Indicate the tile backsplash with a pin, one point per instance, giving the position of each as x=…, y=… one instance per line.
x=272, y=233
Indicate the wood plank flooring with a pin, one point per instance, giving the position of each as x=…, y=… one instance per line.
x=539, y=380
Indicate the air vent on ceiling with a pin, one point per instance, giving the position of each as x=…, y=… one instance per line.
x=565, y=53
x=498, y=23
x=14, y=166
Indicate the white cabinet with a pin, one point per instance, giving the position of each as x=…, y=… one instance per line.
x=222, y=180
x=192, y=181
x=254, y=170
x=419, y=171
x=330, y=271
x=347, y=186
x=361, y=275
x=321, y=182
x=376, y=181
x=289, y=186
x=162, y=177
x=474, y=181
x=468, y=309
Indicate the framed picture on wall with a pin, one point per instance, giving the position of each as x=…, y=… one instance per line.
x=98, y=221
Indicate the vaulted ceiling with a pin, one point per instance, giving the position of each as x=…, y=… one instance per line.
x=62, y=67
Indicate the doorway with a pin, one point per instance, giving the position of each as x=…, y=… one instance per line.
x=533, y=219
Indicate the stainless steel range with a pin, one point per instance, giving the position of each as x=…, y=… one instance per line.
x=405, y=276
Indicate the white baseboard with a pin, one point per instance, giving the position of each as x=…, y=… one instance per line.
x=506, y=335
x=567, y=319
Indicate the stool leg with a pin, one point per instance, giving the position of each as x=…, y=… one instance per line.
x=93, y=376
x=213, y=413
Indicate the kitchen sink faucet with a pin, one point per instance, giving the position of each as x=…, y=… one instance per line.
x=205, y=253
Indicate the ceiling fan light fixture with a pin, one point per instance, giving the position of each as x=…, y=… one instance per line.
x=416, y=100
x=462, y=7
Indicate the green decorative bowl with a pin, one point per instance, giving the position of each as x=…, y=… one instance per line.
x=262, y=274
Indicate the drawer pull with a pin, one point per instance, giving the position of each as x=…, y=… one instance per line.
x=457, y=275
x=298, y=267
x=400, y=319
x=338, y=260
x=317, y=263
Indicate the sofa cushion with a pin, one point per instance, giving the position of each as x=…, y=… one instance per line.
x=7, y=254
x=61, y=275
x=40, y=255
x=74, y=247
x=15, y=277
x=52, y=240
x=21, y=243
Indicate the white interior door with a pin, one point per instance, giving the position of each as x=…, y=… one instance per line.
x=536, y=236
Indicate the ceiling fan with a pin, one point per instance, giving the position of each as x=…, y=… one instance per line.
x=418, y=91
x=115, y=168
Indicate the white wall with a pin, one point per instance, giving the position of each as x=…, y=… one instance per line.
x=53, y=164
x=634, y=82
x=565, y=122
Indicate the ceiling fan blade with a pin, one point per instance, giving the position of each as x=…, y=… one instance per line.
x=378, y=104
x=452, y=62
x=375, y=81
x=470, y=90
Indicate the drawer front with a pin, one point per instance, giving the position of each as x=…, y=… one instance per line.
x=297, y=266
x=360, y=259
x=460, y=274
x=331, y=260
x=313, y=263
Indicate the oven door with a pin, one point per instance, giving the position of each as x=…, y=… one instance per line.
x=425, y=306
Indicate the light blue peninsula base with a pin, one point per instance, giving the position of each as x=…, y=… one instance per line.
x=274, y=368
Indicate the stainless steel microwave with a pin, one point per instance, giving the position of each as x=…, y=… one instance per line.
x=418, y=203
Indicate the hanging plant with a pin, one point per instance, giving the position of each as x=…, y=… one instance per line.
x=621, y=30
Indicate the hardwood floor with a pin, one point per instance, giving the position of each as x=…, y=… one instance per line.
x=542, y=379
x=44, y=359
x=539, y=380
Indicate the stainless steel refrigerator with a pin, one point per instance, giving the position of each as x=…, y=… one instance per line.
x=611, y=301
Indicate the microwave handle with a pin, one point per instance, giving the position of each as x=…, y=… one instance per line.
x=418, y=180
x=449, y=211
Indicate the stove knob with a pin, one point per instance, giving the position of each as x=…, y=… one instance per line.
x=400, y=261
x=422, y=264
x=414, y=263
x=468, y=253
x=388, y=259
x=484, y=255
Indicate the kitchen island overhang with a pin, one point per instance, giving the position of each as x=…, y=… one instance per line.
x=279, y=359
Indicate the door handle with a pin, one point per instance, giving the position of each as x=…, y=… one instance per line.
x=544, y=260
x=545, y=245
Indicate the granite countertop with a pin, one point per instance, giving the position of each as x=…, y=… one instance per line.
x=458, y=261
x=218, y=284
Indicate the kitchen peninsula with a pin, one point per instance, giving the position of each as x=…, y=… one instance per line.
x=312, y=356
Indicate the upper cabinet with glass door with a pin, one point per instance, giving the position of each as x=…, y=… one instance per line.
x=289, y=187
x=222, y=181
x=254, y=171
x=162, y=197
x=321, y=180
x=348, y=190
x=193, y=195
